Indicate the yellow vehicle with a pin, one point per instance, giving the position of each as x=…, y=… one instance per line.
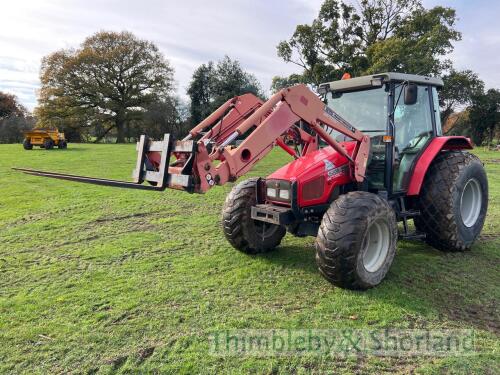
x=45, y=138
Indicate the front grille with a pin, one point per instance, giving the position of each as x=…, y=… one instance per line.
x=313, y=189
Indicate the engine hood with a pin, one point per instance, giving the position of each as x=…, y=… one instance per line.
x=307, y=165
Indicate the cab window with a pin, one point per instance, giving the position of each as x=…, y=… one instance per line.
x=367, y=111
x=413, y=129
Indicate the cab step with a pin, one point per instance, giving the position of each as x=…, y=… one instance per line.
x=409, y=214
x=404, y=215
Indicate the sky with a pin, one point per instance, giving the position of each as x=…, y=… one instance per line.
x=193, y=32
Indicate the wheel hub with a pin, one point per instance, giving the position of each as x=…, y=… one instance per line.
x=376, y=245
x=471, y=202
x=263, y=229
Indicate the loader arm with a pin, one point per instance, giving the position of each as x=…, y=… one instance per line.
x=229, y=142
x=267, y=124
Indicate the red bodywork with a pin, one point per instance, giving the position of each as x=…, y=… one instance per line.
x=437, y=145
x=311, y=168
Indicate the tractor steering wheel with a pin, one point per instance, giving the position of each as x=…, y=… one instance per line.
x=415, y=141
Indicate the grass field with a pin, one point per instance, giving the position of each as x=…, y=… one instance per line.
x=104, y=280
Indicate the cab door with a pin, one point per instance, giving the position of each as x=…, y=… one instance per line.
x=414, y=128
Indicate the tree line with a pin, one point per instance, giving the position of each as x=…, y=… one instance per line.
x=115, y=86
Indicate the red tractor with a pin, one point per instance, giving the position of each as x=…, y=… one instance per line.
x=368, y=152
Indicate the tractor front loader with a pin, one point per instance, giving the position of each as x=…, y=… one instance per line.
x=345, y=186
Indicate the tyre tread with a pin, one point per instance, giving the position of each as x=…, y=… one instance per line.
x=235, y=214
x=436, y=201
x=336, y=253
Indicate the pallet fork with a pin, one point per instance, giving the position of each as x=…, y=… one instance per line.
x=158, y=178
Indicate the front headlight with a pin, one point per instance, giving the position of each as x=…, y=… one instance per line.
x=285, y=194
x=278, y=190
x=271, y=192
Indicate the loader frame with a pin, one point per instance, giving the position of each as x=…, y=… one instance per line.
x=208, y=155
x=230, y=141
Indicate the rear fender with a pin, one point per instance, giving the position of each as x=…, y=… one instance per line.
x=437, y=145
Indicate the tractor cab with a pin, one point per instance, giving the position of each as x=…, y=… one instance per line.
x=400, y=114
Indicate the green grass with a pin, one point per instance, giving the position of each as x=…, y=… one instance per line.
x=97, y=279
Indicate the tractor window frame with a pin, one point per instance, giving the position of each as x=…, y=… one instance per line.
x=438, y=126
x=391, y=148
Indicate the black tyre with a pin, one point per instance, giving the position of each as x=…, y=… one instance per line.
x=62, y=145
x=48, y=144
x=453, y=201
x=243, y=233
x=27, y=144
x=356, y=241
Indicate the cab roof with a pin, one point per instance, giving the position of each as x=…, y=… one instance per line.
x=359, y=83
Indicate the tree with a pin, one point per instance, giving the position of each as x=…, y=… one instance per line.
x=200, y=92
x=279, y=83
x=459, y=89
x=417, y=45
x=480, y=120
x=375, y=36
x=160, y=118
x=109, y=80
x=458, y=124
x=484, y=116
x=14, y=119
x=12, y=128
x=10, y=106
x=212, y=85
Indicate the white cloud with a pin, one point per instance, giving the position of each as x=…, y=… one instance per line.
x=189, y=33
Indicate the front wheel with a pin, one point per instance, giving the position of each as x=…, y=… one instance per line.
x=356, y=241
x=27, y=144
x=243, y=233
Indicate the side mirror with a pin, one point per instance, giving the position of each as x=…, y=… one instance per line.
x=410, y=92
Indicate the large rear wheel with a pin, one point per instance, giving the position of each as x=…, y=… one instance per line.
x=243, y=233
x=453, y=201
x=356, y=241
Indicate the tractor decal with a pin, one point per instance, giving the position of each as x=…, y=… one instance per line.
x=335, y=116
x=332, y=171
